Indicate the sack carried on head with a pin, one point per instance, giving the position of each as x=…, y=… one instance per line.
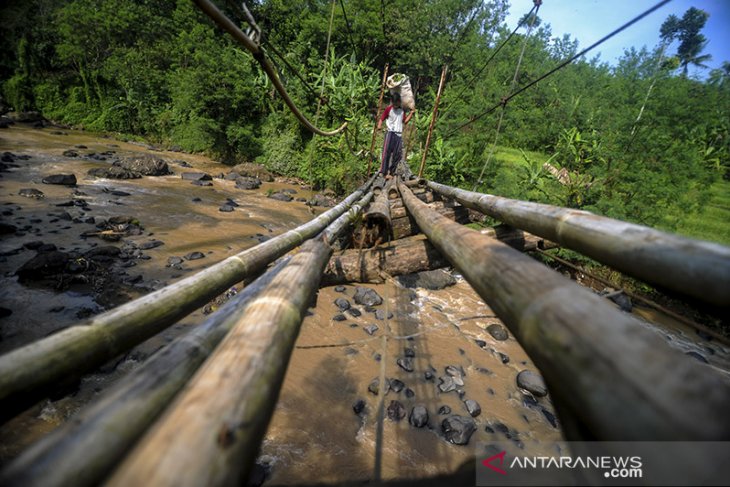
x=399, y=83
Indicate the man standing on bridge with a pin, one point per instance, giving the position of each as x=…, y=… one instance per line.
x=393, y=142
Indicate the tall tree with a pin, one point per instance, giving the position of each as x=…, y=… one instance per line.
x=691, y=41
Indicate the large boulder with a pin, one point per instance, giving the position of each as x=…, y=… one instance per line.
x=43, y=265
x=145, y=165
x=62, y=179
x=247, y=182
x=367, y=297
x=113, y=172
x=252, y=171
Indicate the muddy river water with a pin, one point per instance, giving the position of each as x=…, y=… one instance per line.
x=314, y=435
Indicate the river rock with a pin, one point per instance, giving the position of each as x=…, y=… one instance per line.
x=358, y=406
x=473, y=408
x=340, y=289
x=248, y=183
x=31, y=193
x=70, y=153
x=374, y=386
x=342, y=304
x=280, y=196
x=458, y=429
x=202, y=183
x=396, y=411
x=623, y=301
x=409, y=352
x=410, y=393
x=196, y=176
x=321, y=200
x=62, y=179
x=370, y=329
x=43, y=265
x=532, y=382
x=250, y=170
x=446, y=384
x=113, y=172
x=498, y=332
x=367, y=297
x=354, y=312
x=503, y=357
x=339, y=317
x=397, y=385
x=697, y=356
x=405, y=364
x=194, y=255
x=436, y=279
x=226, y=208
x=418, y=416
x=145, y=165
x=150, y=244
x=174, y=260
x=444, y=410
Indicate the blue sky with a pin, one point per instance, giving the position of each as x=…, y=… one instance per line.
x=589, y=20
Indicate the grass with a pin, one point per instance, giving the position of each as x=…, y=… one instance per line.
x=712, y=222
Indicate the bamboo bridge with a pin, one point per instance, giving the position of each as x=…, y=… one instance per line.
x=195, y=412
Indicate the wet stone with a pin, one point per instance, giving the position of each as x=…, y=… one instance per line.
x=31, y=193
x=498, y=332
x=280, y=197
x=339, y=317
x=532, y=382
x=226, y=208
x=418, y=417
x=202, y=183
x=454, y=371
x=196, y=176
x=409, y=352
x=354, y=312
x=354, y=325
x=503, y=357
x=172, y=261
x=405, y=364
x=446, y=384
x=396, y=411
x=370, y=329
x=358, y=406
x=340, y=289
x=151, y=244
x=397, y=385
x=480, y=343
x=194, y=256
x=342, y=303
x=367, y=297
x=444, y=410
x=374, y=386
x=458, y=429
x=62, y=179
x=473, y=408
x=429, y=376
x=409, y=393
x=70, y=153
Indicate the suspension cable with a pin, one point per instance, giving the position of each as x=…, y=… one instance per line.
x=226, y=24
x=511, y=87
x=489, y=60
x=347, y=24
x=560, y=66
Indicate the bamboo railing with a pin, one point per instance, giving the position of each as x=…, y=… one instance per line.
x=690, y=267
x=83, y=451
x=27, y=372
x=610, y=377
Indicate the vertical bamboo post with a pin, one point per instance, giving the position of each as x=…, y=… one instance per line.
x=433, y=120
x=377, y=115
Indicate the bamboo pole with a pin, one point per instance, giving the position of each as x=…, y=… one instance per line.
x=27, y=372
x=84, y=450
x=211, y=434
x=617, y=379
x=433, y=120
x=377, y=116
x=692, y=267
x=376, y=223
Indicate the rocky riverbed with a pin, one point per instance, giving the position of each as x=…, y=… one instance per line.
x=90, y=222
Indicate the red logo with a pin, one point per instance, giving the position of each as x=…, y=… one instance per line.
x=488, y=462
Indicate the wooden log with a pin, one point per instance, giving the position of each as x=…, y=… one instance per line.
x=211, y=434
x=691, y=267
x=517, y=239
x=376, y=223
x=416, y=183
x=82, y=452
x=25, y=373
x=405, y=256
x=616, y=378
x=407, y=226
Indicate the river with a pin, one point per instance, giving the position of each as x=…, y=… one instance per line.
x=314, y=435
